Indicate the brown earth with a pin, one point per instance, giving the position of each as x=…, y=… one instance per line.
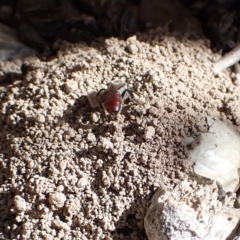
x=66, y=173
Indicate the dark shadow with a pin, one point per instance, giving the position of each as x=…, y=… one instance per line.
x=7, y=218
x=44, y=25
x=129, y=226
x=40, y=24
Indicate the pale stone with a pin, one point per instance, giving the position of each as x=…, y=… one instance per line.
x=20, y=203
x=57, y=199
x=189, y=212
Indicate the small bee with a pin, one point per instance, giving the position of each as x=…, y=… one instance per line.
x=112, y=98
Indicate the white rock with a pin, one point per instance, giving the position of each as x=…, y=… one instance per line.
x=83, y=182
x=105, y=143
x=218, y=155
x=63, y=165
x=40, y=118
x=95, y=116
x=91, y=138
x=61, y=225
x=20, y=203
x=149, y=132
x=190, y=213
x=71, y=86
x=132, y=48
x=60, y=188
x=57, y=199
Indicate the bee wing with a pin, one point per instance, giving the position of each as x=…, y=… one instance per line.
x=92, y=99
x=119, y=84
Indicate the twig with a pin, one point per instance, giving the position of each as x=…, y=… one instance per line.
x=228, y=60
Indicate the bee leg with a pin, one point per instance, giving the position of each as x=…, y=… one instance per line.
x=103, y=113
x=99, y=96
x=128, y=94
x=100, y=103
x=125, y=95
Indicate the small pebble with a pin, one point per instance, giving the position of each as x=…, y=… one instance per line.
x=154, y=78
x=20, y=203
x=60, y=188
x=91, y=138
x=40, y=118
x=63, y=164
x=57, y=199
x=82, y=182
x=154, y=111
x=31, y=164
x=71, y=86
x=95, y=117
x=61, y=225
x=236, y=79
x=106, y=144
x=149, y=132
x=132, y=48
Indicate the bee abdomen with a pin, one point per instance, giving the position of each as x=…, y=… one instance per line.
x=113, y=105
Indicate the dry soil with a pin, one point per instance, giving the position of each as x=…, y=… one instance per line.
x=67, y=174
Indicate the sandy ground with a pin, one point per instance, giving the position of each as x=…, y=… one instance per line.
x=66, y=173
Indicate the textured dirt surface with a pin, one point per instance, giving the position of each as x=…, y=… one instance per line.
x=192, y=211
x=66, y=174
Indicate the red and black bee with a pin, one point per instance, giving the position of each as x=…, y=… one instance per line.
x=112, y=98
